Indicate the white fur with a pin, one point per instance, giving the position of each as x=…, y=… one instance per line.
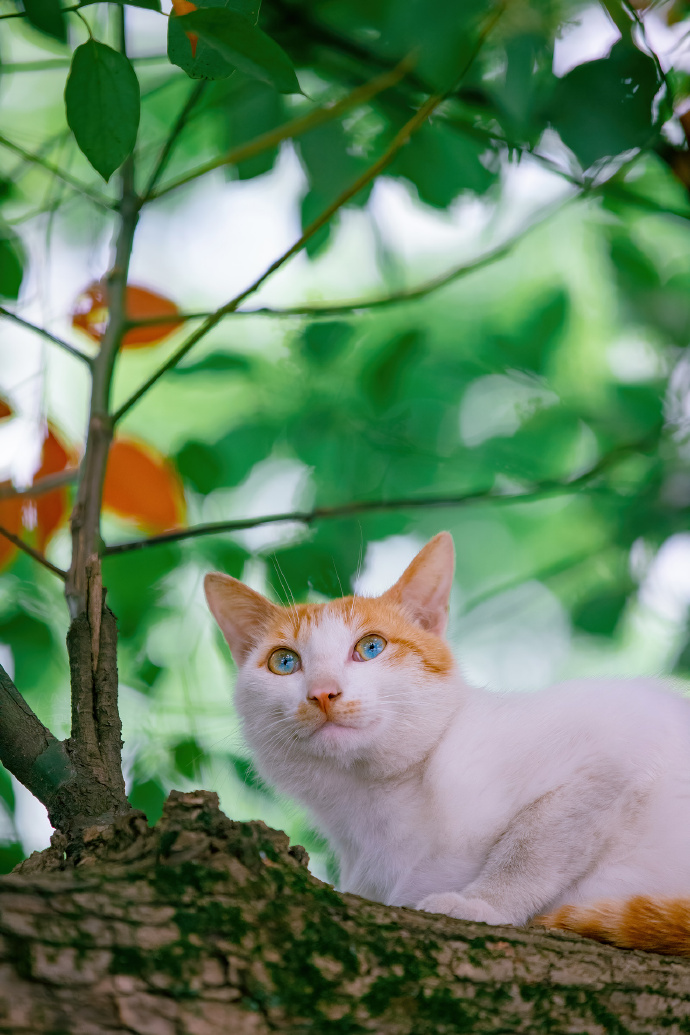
x=521, y=802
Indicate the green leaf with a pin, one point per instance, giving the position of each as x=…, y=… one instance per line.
x=216, y=363
x=324, y=340
x=102, y=102
x=441, y=33
x=601, y=614
x=382, y=378
x=189, y=757
x=228, y=460
x=6, y=790
x=47, y=17
x=248, y=775
x=11, y=267
x=443, y=162
x=206, y=62
x=244, y=45
x=31, y=642
x=11, y=853
x=148, y=796
x=149, y=5
x=253, y=108
x=132, y=580
x=604, y=107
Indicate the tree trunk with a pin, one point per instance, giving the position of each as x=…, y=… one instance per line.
x=204, y=926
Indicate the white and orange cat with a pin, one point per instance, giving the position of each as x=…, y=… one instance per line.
x=573, y=801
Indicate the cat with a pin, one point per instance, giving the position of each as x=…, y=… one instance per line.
x=496, y=807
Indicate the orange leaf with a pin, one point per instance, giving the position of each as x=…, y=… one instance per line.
x=90, y=314
x=11, y=519
x=5, y=409
x=186, y=7
x=142, y=485
x=50, y=509
x=39, y=516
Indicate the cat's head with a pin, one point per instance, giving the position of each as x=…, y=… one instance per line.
x=346, y=679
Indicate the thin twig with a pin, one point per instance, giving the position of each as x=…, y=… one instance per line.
x=43, y=485
x=194, y=96
x=46, y=334
x=541, y=491
x=395, y=297
x=36, y=554
x=308, y=517
x=28, y=749
x=12, y=68
x=76, y=185
x=295, y=128
x=401, y=138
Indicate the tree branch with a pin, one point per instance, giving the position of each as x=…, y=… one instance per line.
x=80, y=188
x=43, y=485
x=87, y=509
x=194, y=96
x=294, y=128
x=37, y=556
x=396, y=297
x=401, y=138
x=46, y=334
x=95, y=743
x=353, y=508
x=28, y=749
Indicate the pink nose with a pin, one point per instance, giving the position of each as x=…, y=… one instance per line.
x=324, y=695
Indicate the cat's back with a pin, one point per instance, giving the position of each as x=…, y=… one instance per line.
x=518, y=746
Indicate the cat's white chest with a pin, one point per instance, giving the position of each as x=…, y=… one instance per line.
x=401, y=842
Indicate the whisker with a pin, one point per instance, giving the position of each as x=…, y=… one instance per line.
x=288, y=592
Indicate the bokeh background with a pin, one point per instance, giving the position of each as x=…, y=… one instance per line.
x=543, y=392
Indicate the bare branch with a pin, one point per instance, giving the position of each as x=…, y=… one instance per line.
x=46, y=334
x=290, y=130
x=398, y=142
x=308, y=517
x=43, y=485
x=28, y=749
x=194, y=96
x=80, y=188
x=541, y=491
x=396, y=297
x=37, y=556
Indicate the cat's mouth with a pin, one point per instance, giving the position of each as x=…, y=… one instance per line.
x=335, y=729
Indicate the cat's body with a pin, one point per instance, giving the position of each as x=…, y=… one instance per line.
x=611, y=820
x=433, y=794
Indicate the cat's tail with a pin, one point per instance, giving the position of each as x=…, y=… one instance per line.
x=652, y=924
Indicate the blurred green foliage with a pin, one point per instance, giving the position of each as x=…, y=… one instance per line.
x=544, y=397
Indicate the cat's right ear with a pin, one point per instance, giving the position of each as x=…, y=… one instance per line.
x=241, y=612
x=424, y=587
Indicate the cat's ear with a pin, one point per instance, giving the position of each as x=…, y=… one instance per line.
x=241, y=613
x=424, y=586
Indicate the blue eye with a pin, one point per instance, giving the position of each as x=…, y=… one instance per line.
x=284, y=662
x=369, y=647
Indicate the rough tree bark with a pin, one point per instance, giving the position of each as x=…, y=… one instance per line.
x=203, y=926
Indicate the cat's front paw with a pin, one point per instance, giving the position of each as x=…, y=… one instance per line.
x=452, y=904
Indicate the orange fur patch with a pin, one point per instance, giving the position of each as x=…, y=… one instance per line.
x=654, y=925
x=369, y=615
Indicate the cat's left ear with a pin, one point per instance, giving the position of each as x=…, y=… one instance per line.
x=241, y=613
x=424, y=586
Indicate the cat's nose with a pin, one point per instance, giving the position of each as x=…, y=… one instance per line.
x=323, y=695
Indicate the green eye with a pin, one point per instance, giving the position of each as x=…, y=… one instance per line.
x=369, y=647
x=284, y=662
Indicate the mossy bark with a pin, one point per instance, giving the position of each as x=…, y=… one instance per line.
x=203, y=926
